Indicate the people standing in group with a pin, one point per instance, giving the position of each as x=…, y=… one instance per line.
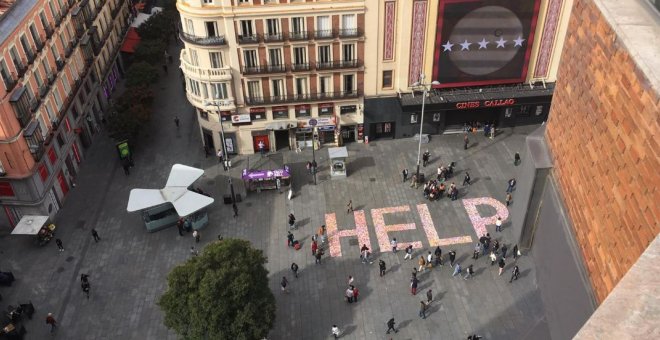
x=390, y=326
x=59, y=244
x=501, y=264
x=95, y=235
x=452, y=258
x=496, y=246
x=283, y=284
x=365, y=255
x=498, y=224
x=356, y=293
x=404, y=174
x=350, y=280
x=381, y=267
x=515, y=273
x=322, y=234
x=409, y=251
x=294, y=269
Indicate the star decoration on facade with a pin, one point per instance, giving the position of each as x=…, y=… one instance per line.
x=483, y=43
x=465, y=45
x=518, y=42
x=501, y=42
x=448, y=46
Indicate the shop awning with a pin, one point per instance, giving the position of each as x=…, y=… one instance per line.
x=29, y=225
x=131, y=41
x=283, y=125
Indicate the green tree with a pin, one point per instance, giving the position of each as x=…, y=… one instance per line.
x=159, y=26
x=221, y=294
x=141, y=74
x=151, y=51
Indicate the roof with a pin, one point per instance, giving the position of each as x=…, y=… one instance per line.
x=29, y=225
x=443, y=96
x=340, y=152
x=5, y=5
x=131, y=41
x=13, y=15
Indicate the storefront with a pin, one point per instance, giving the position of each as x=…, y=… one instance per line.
x=348, y=132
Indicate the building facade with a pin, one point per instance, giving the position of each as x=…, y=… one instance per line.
x=274, y=72
x=496, y=61
x=59, y=64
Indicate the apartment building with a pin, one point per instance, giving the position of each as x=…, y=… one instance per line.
x=275, y=73
x=59, y=64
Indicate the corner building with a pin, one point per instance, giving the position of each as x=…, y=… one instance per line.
x=59, y=64
x=273, y=71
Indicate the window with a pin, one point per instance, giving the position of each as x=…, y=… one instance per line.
x=299, y=55
x=525, y=111
x=193, y=57
x=208, y=1
x=250, y=58
x=254, y=89
x=35, y=35
x=273, y=27
x=190, y=27
x=275, y=56
x=323, y=28
x=246, y=28
x=42, y=18
x=387, y=79
x=60, y=140
x=6, y=189
x=349, y=86
x=204, y=90
x=298, y=28
x=243, y=1
x=18, y=65
x=193, y=86
x=37, y=77
x=324, y=58
x=49, y=111
x=301, y=86
x=26, y=47
x=52, y=156
x=219, y=91
x=348, y=22
x=277, y=88
x=216, y=59
x=325, y=85
x=58, y=98
x=211, y=28
x=348, y=52
x=4, y=72
x=65, y=83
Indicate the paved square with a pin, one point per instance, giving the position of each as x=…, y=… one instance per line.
x=128, y=267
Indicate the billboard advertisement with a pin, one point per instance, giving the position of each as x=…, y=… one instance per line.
x=483, y=42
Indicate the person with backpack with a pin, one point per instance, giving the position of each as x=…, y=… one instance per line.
x=292, y=221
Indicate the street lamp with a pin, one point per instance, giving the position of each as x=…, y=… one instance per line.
x=224, y=146
x=426, y=87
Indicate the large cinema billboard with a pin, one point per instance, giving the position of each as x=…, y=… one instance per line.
x=483, y=42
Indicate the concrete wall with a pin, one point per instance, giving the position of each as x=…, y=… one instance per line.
x=603, y=135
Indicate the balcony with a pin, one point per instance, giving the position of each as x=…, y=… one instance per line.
x=30, y=56
x=300, y=67
x=58, y=18
x=302, y=35
x=34, y=104
x=310, y=97
x=43, y=89
x=273, y=37
x=338, y=64
x=205, y=41
x=51, y=78
x=49, y=31
x=20, y=68
x=264, y=69
x=324, y=34
x=248, y=39
x=350, y=33
x=10, y=82
x=60, y=63
x=205, y=74
x=39, y=44
x=68, y=49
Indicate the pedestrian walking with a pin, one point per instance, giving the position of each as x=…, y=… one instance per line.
x=350, y=280
x=84, y=284
x=349, y=295
x=496, y=246
x=516, y=252
x=176, y=121
x=422, y=309
x=466, y=179
x=457, y=270
x=477, y=250
x=95, y=235
x=179, y=226
x=466, y=141
x=498, y=224
x=508, y=199
x=60, y=246
x=315, y=247
x=262, y=148
x=349, y=206
x=469, y=272
x=504, y=249
x=390, y=326
x=473, y=337
x=322, y=234
x=126, y=165
x=413, y=285
x=196, y=235
x=452, y=257
x=193, y=251
x=394, y=244
x=294, y=269
x=422, y=264
x=356, y=293
x=404, y=174
x=516, y=159
x=50, y=320
x=364, y=254
x=335, y=331
x=292, y=221
x=514, y=273
x=413, y=182
x=319, y=253
x=381, y=267
x=409, y=251
x=429, y=296
x=501, y=264
x=283, y=284
x=429, y=260
x=511, y=185
x=493, y=258
x=289, y=239
x=426, y=156
x=438, y=256
x=220, y=158
x=233, y=206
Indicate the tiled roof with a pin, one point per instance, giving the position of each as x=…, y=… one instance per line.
x=5, y=5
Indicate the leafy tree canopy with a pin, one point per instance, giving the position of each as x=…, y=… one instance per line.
x=141, y=74
x=159, y=26
x=221, y=294
x=151, y=51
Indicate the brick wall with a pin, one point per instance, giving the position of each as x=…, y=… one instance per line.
x=603, y=133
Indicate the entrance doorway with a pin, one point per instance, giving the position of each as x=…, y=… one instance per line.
x=70, y=167
x=282, y=139
x=348, y=133
x=63, y=184
x=384, y=130
x=260, y=139
x=207, y=139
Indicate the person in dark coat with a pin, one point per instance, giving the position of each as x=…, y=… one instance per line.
x=390, y=326
x=294, y=269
